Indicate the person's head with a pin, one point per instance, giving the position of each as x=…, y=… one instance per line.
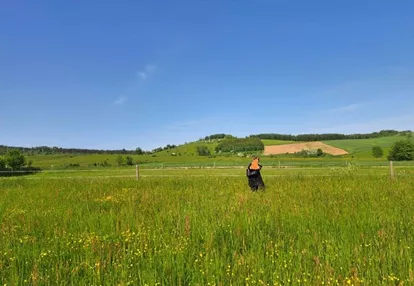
x=255, y=163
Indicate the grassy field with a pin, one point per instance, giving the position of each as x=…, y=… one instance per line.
x=347, y=227
x=189, y=149
x=56, y=162
x=268, y=171
x=270, y=142
x=362, y=148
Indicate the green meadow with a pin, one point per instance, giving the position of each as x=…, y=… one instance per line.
x=362, y=148
x=311, y=226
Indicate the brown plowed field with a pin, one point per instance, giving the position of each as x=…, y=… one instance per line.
x=297, y=147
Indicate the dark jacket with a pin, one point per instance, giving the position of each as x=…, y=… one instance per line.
x=255, y=178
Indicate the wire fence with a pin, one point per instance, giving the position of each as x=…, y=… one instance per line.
x=217, y=169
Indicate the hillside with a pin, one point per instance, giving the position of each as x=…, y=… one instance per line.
x=363, y=147
x=188, y=149
x=298, y=147
x=187, y=155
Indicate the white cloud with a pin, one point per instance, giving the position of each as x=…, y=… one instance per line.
x=347, y=108
x=120, y=100
x=149, y=69
x=142, y=75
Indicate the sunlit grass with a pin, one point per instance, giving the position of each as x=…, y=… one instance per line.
x=338, y=230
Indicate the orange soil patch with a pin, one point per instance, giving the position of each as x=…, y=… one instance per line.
x=297, y=147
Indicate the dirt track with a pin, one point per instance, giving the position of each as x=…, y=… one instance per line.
x=297, y=147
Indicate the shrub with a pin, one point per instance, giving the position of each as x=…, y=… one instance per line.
x=129, y=161
x=2, y=164
x=15, y=159
x=203, y=150
x=402, y=150
x=377, y=152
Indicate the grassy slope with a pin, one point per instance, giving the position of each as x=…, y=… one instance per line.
x=189, y=149
x=270, y=142
x=361, y=148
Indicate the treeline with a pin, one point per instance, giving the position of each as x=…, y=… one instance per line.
x=44, y=150
x=167, y=147
x=328, y=136
x=240, y=145
x=217, y=136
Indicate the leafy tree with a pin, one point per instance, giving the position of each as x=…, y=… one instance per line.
x=319, y=152
x=203, y=151
x=402, y=150
x=15, y=159
x=2, y=164
x=240, y=145
x=139, y=151
x=377, y=152
x=120, y=161
x=129, y=161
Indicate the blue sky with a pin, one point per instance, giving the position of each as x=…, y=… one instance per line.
x=123, y=74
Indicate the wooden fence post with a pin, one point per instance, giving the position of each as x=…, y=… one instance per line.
x=137, y=171
x=391, y=170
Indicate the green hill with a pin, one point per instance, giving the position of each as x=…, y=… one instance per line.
x=363, y=147
x=271, y=142
x=189, y=149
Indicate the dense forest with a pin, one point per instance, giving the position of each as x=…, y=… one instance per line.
x=327, y=136
x=217, y=136
x=240, y=145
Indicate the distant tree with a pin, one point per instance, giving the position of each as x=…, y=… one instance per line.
x=129, y=161
x=319, y=152
x=2, y=164
x=203, y=151
x=377, y=152
x=120, y=161
x=402, y=150
x=15, y=159
x=139, y=151
x=29, y=164
x=240, y=145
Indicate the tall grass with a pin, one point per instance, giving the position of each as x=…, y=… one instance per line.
x=338, y=230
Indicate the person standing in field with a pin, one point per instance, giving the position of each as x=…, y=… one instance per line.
x=254, y=176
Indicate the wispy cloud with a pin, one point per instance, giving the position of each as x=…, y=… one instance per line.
x=120, y=100
x=147, y=71
x=347, y=108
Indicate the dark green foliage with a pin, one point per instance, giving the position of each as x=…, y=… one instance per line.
x=203, y=150
x=129, y=161
x=44, y=150
x=159, y=149
x=310, y=153
x=139, y=151
x=15, y=159
x=402, y=150
x=2, y=164
x=319, y=152
x=377, y=152
x=120, y=161
x=330, y=136
x=240, y=145
x=216, y=136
